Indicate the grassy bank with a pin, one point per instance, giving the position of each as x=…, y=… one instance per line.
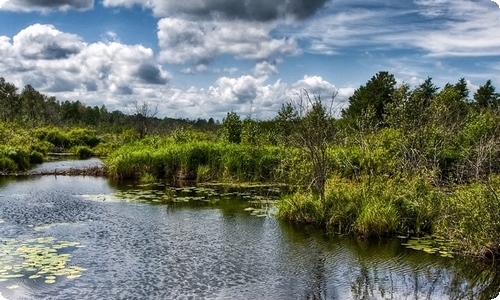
x=465, y=214
x=165, y=158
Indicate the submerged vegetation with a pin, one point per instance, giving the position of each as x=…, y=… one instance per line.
x=413, y=162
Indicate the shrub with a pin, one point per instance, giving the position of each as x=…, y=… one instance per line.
x=7, y=165
x=36, y=157
x=82, y=151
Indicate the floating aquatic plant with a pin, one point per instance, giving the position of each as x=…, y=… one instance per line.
x=432, y=245
x=180, y=195
x=35, y=259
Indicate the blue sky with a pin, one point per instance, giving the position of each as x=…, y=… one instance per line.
x=203, y=58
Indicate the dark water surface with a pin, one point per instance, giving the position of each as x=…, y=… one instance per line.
x=205, y=250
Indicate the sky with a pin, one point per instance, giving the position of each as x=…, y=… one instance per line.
x=203, y=58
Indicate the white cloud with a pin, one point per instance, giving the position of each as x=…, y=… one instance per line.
x=45, y=42
x=264, y=69
x=438, y=27
x=184, y=41
x=315, y=85
x=63, y=65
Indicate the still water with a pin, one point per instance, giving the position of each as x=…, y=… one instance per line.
x=119, y=248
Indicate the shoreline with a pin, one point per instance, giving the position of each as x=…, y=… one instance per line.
x=84, y=171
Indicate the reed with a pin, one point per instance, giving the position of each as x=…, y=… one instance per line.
x=165, y=158
x=368, y=207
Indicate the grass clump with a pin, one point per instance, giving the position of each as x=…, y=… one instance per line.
x=82, y=151
x=164, y=158
x=471, y=217
x=368, y=207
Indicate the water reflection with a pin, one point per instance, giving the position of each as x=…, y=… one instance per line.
x=214, y=250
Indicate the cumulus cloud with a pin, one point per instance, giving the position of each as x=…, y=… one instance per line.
x=237, y=90
x=264, y=69
x=47, y=5
x=184, y=41
x=54, y=61
x=46, y=42
x=253, y=10
x=315, y=85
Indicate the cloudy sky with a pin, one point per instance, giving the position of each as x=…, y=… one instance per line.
x=203, y=58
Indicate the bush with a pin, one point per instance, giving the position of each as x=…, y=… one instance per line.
x=369, y=207
x=7, y=165
x=472, y=217
x=82, y=151
x=36, y=157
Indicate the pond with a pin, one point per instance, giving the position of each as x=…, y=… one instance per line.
x=83, y=238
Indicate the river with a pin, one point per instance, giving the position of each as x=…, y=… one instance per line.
x=83, y=238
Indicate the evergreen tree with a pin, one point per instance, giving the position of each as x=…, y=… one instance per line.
x=375, y=95
x=485, y=96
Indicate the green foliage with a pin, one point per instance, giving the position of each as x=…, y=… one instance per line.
x=472, y=217
x=369, y=207
x=36, y=158
x=486, y=97
x=147, y=178
x=375, y=95
x=7, y=165
x=82, y=151
x=251, y=132
x=231, y=128
x=166, y=159
x=14, y=159
x=301, y=208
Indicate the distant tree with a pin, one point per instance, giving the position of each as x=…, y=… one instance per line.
x=32, y=103
x=143, y=113
x=486, y=97
x=425, y=92
x=461, y=87
x=250, y=132
x=374, y=96
x=9, y=101
x=284, y=122
x=232, y=127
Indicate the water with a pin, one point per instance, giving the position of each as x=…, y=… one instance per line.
x=205, y=250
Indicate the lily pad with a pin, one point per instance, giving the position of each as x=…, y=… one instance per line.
x=35, y=258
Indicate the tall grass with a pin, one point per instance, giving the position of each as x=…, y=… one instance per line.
x=369, y=207
x=164, y=158
x=471, y=217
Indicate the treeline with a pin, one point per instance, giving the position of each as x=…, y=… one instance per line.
x=29, y=107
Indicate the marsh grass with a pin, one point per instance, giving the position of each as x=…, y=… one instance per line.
x=471, y=217
x=164, y=158
x=369, y=207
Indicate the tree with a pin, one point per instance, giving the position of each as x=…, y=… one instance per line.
x=9, y=101
x=284, y=122
x=314, y=130
x=374, y=96
x=485, y=96
x=461, y=87
x=425, y=92
x=232, y=127
x=32, y=104
x=143, y=113
x=250, y=132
